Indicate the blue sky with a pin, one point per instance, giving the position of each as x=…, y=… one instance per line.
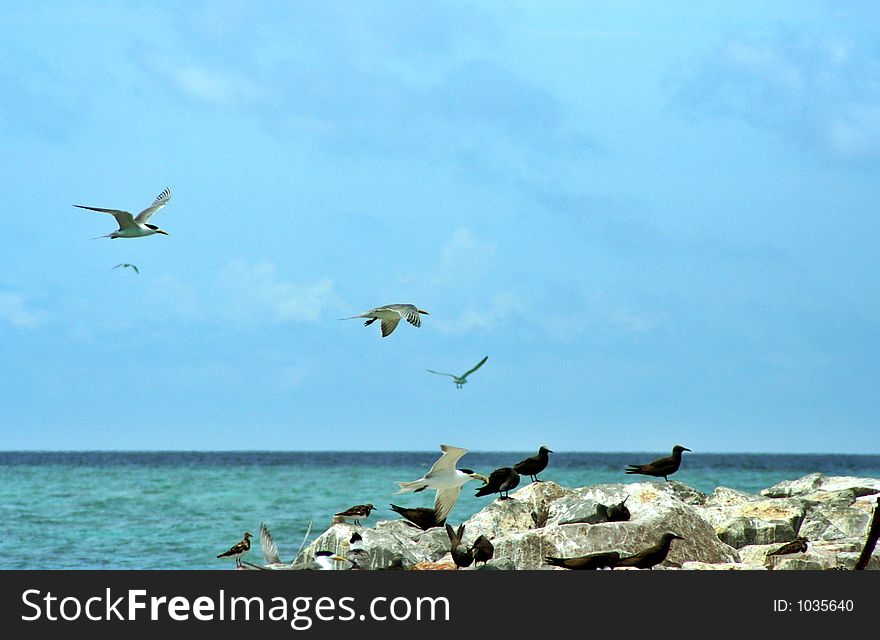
x=660, y=221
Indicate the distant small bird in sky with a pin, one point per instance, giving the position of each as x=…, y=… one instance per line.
x=125, y=264
x=356, y=512
x=134, y=226
x=238, y=550
x=462, y=379
x=661, y=467
x=391, y=315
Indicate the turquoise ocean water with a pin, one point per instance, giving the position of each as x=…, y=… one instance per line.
x=156, y=510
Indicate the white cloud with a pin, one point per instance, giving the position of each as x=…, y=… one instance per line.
x=822, y=92
x=462, y=259
x=254, y=294
x=500, y=309
x=14, y=309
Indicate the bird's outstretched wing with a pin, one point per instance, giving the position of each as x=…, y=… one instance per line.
x=270, y=549
x=160, y=201
x=123, y=218
x=444, y=501
x=389, y=325
x=440, y=373
x=451, y=456
x=478, y=365
x=125, y=264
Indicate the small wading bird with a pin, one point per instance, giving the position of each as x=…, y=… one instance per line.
x=134, y=226
x=126, y=265
x=798, y=545
x=238, y=550
x=356, y=512
x=445, y=478
x=356, y=554
x=533, y=466
x=462, y=379
x=661, y=467
x=391, y=315
x=501, y=481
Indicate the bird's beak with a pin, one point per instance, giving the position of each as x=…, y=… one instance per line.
x=339, y=558
x=478, y=476
x=686, y=449
x=425, y=312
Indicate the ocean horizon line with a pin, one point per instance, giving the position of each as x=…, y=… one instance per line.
x=423, y=451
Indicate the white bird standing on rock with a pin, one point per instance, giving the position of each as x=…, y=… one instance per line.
x=135, y=226
x=391, y=315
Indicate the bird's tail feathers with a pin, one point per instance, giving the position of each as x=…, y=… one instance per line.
x=406, y=487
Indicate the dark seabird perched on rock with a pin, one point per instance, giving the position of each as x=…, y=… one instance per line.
x=533, y=466
x=661, y=467
x=650, y=556
x=356, y=512
x=798, y=545
x=501, y=481
x=618, y=512
x=461, y=555
x=483, y=550
x=238, y=550
x=422, y=517
x=592, y=561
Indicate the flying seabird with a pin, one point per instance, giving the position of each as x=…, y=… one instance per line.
x=462, y=379
x=125, y=264
x=445, y=478
x=501, y=481
x=238, y=550
x=357, y=512
x=134, y=226
x=390, y=315
x=661, y=467
x=798, y=545
x=650, y=556
x=422, y=517
x=356, y=554
x=461, y=555
x=618, y=512
x=533, y=466
x=482, y=550
x=592, y=561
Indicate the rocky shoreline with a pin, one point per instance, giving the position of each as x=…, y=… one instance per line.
x=727, y=529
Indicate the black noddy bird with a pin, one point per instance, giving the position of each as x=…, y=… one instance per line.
x=592, y=561
x=483, y=550
x=651, y=556
x=422, y=517
x=798, y=545
x=461, y=555
x=501, y=481
x=533, y=466
x=618, y=512
x=662, y=467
